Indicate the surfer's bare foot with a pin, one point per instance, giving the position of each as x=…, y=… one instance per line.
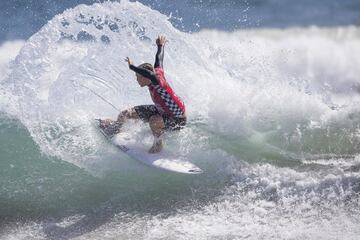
x=110, y=127
x=156, y=147
x=105, y=123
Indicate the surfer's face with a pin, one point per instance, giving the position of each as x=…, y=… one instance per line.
x=143, y=81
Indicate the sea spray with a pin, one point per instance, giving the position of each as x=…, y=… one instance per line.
x=273, y=123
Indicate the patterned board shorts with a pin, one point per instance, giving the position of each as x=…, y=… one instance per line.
x=171, y=123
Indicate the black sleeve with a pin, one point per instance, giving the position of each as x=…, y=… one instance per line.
x=159, y=57
x=145, y=73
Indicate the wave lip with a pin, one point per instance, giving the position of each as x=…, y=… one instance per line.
x=77, y=51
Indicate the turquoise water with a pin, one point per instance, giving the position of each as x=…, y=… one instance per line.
x=37, y=187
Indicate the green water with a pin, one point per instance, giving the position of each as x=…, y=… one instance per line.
x=36, y=187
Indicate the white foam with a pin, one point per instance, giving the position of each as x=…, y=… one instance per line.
x=8, y=52
x=257, y=84
x=266, y=202
x=261, y=95
x=259, y=91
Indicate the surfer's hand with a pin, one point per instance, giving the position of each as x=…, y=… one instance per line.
x=161, y=40
x=127, y=59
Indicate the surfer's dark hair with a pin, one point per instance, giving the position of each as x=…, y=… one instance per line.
x=147, y=66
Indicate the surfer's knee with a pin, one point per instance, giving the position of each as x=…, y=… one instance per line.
x=157, y=121
x=156, y=124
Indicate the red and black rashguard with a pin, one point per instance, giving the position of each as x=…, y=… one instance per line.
x=163, y=96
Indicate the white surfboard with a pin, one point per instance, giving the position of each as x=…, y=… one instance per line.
x=163, y=160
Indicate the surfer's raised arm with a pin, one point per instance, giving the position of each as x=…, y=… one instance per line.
x=145, y=70
x=159, y=57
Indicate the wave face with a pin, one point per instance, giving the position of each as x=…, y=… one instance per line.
x=273, y=121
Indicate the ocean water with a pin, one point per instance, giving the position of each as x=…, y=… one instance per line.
x=272, y=92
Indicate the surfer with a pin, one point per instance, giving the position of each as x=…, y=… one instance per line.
x=168, y=111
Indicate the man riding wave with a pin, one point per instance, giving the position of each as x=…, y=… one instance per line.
x=168, y=111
